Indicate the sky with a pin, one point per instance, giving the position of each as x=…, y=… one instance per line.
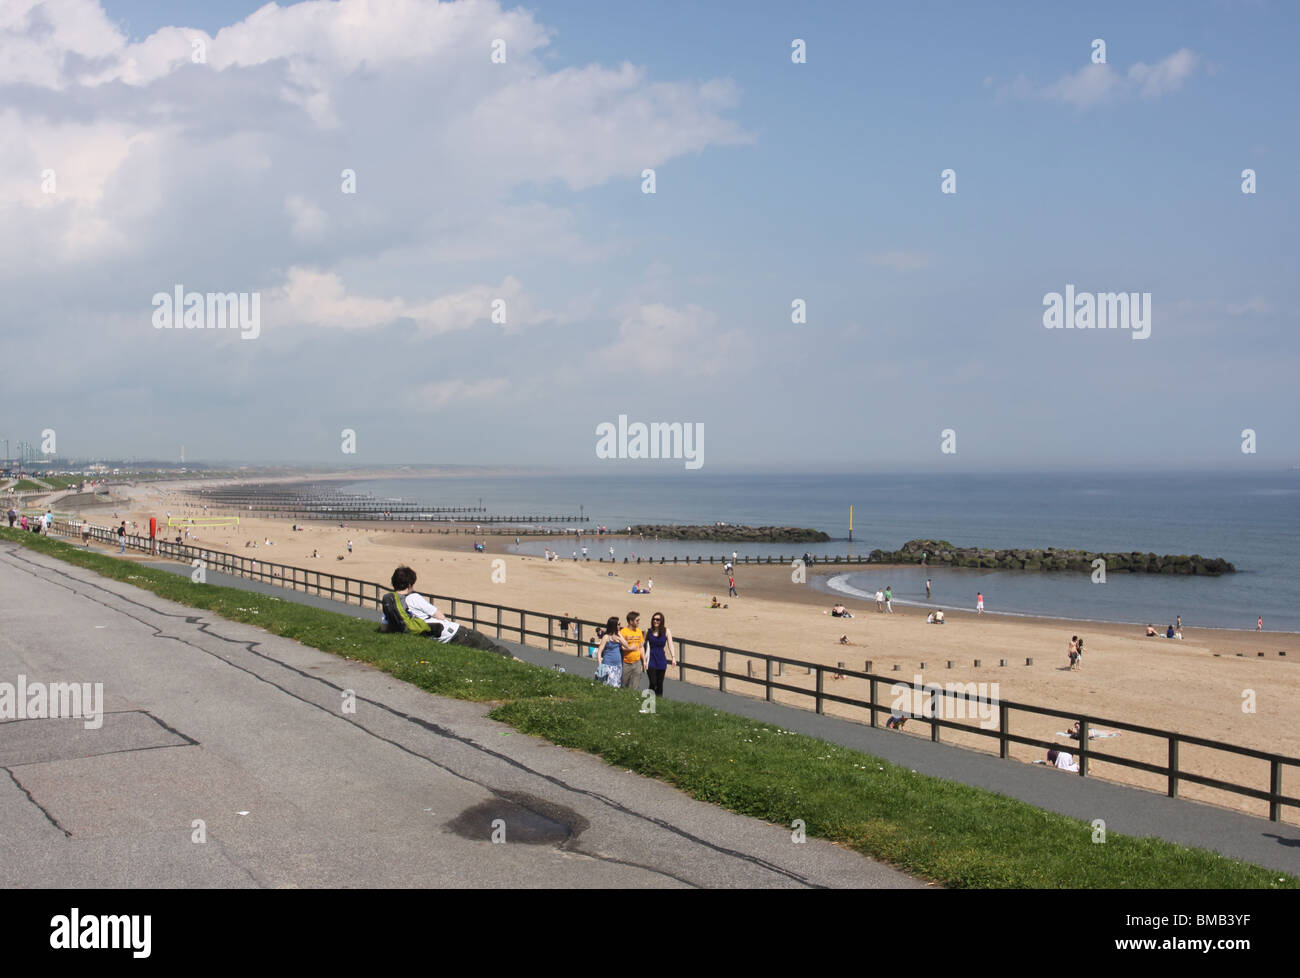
x=492, y=282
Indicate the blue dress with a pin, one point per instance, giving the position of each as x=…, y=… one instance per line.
x=657, y=645
x=611, y=657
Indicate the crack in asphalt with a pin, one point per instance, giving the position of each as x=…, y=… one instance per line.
x=48, y=817
x=437, y=730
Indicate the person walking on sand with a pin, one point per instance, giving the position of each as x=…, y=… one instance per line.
x=979, y=603
x=349, y=546
x=889, y=600
x=1074, y=652
x=633, y=659
x=731, y=588
x=659, y=640
x=1259, y=624
x=927, y=589
x=1078, y=658
x=880, y=601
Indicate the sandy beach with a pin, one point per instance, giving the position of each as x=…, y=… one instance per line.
x=1197, y=686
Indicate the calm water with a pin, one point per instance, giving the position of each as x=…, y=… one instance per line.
x=1253, y=521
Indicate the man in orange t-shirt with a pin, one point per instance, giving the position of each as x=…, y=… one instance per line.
x=633, y=660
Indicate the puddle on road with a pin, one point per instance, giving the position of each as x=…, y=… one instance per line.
x=523, y=818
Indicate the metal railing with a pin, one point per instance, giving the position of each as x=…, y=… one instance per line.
x=934, y=698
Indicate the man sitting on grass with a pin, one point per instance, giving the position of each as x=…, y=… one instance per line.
x=406, y=610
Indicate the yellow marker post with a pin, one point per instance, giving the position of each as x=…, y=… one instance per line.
x=850, y=524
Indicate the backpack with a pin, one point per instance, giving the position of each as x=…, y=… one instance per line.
x=397, y=619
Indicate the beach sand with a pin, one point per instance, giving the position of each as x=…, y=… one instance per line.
x=1196, y=686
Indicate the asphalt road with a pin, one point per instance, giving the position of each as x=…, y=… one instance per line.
x=213, y=722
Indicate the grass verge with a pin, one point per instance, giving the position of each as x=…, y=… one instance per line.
x=951, y=833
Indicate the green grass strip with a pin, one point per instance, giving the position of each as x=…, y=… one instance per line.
x=954, y=834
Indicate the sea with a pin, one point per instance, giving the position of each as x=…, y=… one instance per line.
x=1252, y=520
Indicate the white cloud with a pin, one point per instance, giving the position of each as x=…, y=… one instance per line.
x=307, y=220
x=1094, y=84
x=313, y=298
x=658, y=338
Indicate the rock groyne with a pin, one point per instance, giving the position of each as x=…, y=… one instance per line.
x=941, y=553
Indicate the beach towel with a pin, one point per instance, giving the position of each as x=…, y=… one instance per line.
x=1092, y=734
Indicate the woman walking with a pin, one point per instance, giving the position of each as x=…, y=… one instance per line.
x=612, y=647
x=662, y=654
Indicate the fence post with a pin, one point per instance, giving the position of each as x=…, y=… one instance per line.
x=821, y=689
x=550, y=634
x=1173, y=764
x=1083, y=748
x=1275, y=788
x=722, y=670
x=1004, y=721
x=935, y=711
x=498, y=621
x=872, y=700
x=681, y=660
x=768, y=696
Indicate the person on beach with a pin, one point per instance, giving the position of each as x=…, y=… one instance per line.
x=927, y=589
x=633, y=659
x=880, y=601
x=659, y=641
x=839, y=611
x=1151, y=632
x=584, y=553
x=565, y=622
x=979, y=603
x=731, y=588
x=1062, y=760
x=889, y=600
x=1078, y=654
x=1169, y=632
x=1074, y=651
x=612, y=649
x=1259, y=625
x=406, y=610
x=715, y=603
x=649, y=585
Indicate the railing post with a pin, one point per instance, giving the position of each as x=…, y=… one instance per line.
x=936, y=697
x=722, y=670
x=872, y=701
x=681, y=661
x=1083, y=748
x=1004, y=721
x=550, y=634
x=1173, y=765
x=1275, y=788
x=821, y=678
x=768, y=685
x=498, y=621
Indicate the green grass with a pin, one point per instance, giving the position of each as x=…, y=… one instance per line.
x=954, y=834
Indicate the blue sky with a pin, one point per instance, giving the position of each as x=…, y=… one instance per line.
x=775, y=181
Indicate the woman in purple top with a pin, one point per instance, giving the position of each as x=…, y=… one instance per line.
x=659, y=640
